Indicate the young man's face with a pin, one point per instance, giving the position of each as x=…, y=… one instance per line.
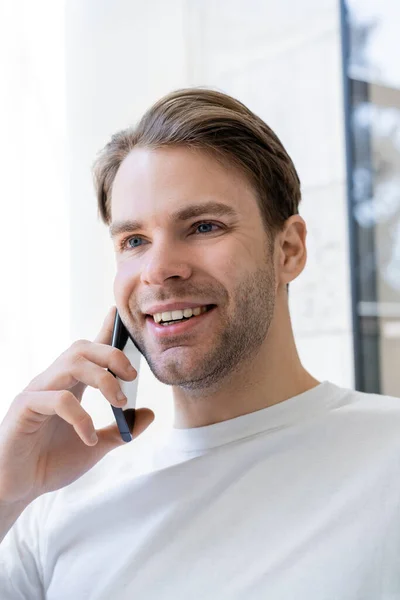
x=196, y=238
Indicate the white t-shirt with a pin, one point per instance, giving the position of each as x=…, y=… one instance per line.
x=300, y=500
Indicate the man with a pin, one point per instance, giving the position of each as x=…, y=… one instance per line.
x=271, y=483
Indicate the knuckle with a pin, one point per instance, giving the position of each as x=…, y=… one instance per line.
x=64, y=397
x=77, y=358
x=115, y=354
x=78, y=345
x=105, y=379
x=120, y=359
x=83, y=418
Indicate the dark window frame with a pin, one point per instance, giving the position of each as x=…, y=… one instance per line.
x=367, y=368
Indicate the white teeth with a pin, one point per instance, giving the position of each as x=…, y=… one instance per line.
x=176, y=315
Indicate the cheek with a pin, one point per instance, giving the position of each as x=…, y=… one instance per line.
x=226, y=265
x=124, y=283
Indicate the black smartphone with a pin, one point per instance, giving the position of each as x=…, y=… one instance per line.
x=123, y=341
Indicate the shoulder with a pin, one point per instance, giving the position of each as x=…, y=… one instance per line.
x=366, y=419
x=364, y=402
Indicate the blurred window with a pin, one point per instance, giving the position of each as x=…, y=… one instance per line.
x=371, y=47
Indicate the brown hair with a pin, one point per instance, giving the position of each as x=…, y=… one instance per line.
x=220, y=125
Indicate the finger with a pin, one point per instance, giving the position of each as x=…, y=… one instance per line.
x=91, y=374
x=104, y=356
x=110, y=437
x=68, y=369
x=36, y=405
x=50, y=378
x=105, y=334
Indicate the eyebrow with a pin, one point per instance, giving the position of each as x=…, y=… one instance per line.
x=184, y=214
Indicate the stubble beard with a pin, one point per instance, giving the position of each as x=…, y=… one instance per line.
x=241, y=336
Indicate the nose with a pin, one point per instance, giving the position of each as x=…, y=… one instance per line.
x=165, y=261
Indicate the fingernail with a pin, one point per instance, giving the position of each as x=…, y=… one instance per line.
x=94, y=438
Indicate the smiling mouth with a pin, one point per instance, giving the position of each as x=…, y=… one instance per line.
x=174, y=321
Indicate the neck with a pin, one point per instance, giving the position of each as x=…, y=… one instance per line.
x=271, y=376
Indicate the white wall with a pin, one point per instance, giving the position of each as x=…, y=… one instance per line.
x=34, y=240
x=283, y=60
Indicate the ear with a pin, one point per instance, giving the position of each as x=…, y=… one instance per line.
x=291, y=250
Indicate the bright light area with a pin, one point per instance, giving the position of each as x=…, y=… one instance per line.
x=381, y=20
x=34, y=245
x=36, y=320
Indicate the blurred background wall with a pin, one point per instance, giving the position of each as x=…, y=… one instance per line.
x=35, y=234
x=94, y=67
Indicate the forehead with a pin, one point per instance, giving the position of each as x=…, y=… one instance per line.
x=166, y=179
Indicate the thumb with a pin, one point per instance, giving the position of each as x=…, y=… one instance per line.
x=110, y=437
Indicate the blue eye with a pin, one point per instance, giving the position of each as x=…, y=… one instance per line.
x=134, y=239
x=126, y=243
x=206, y=225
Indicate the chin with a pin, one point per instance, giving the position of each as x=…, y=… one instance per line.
x=174, y=370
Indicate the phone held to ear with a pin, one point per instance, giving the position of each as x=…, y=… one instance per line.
x=122, y=340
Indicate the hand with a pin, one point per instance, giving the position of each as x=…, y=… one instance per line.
x=46, y=437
